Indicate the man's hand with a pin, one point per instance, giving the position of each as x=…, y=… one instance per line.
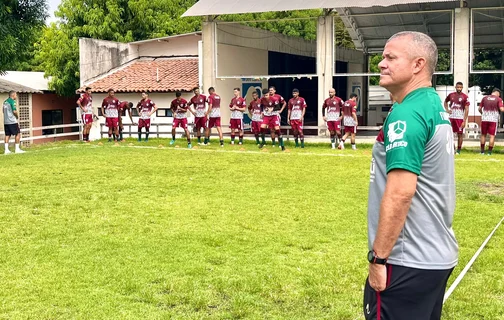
x=449, y=111
x=288, y=121
x=377, y=276
x=325, y=119
x=462, y=125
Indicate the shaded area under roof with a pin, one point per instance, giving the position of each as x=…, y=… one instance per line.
x=371, y=22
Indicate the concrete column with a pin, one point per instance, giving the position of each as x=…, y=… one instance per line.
x=461, y=47
x=209, y=36
x=325, y=61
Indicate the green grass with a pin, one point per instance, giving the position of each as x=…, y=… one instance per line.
x=126, y=232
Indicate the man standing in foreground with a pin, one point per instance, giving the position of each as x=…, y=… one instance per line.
x=295, y=116
x=198, y=101
x=331, y=110
x=179, y=109
x=11, y=126
x=237, y=106
x=145, y=108
x=457, y=105
x=489, y=109
x=110, y=110
x=412, y=246
x=349, y=121
x=214, y=116
x=255, y=111
x=85, y=103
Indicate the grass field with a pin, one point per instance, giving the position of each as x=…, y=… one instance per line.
x=142, y=232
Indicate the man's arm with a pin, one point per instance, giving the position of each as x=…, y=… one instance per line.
x=283, y=106
x=466, y=115
x=153, y=110
x=304, y=112
x=79, y=103
x=354, y=116
x=446, y=104
x=395, y=204
x=130, y=116
x=103, y=108
x=288, y=116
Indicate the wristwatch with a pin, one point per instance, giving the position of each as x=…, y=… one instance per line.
x=373, y=258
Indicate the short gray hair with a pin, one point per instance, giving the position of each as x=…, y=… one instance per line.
x=421, y=46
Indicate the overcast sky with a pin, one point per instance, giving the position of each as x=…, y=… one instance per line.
x=53, y=5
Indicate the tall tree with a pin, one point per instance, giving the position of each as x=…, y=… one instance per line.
x=20, y=20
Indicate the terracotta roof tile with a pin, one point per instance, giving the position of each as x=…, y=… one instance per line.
x=160, y=75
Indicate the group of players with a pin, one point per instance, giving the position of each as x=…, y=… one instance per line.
x=457, y=105
x=265, y=114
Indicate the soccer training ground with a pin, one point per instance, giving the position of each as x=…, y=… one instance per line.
x=143, y=231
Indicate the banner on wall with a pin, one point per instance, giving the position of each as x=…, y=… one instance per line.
x=247, y=89
x=357, y=89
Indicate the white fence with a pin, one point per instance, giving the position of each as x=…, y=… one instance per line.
x=48, y=136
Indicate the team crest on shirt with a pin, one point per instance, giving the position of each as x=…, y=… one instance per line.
x=334, y=102
x=460, y=99
x=396, y=130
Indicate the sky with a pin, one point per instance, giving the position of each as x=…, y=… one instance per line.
x=53, y=5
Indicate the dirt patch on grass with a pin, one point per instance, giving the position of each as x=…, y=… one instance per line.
x=496, y=189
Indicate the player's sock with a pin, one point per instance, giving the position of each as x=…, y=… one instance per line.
x=280, y=138
x=263, y=135
x=354, y=147
x=257, y=138
x=482, y=145
x=302, y=140
x=6, y=147
x=333, y=142
x=297, y=142
x=240, y=139
x=109, y=137
x=221, y=142
x=147, y=136
x=232, y=138
x=139, y=136
x=120, y=136
x=273, y=141
x=173, y=137
x=206, y=140
x=199, y=139
x=18, y=149
x=490, y=149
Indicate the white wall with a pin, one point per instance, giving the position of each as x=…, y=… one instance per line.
x=97, y=57
x=3, y=97
x=162, y=100
x=187, y=45
x=356, y=85
x=250, y=61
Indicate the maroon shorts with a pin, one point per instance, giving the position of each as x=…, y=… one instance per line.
x=143, y=123
x=87, y=118
x=334, y=125
x=214, y=122
x=256, y=126
x=180, y=123
x=488, y=128
x=271, y=121
x=236, y=124
x=200, y=122
x=112, y=122
x=457, y=125
x=297, y=125
x=352, y=129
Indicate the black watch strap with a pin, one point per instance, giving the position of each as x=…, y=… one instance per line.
x=373, y=258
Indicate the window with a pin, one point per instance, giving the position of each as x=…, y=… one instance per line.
x=164, y=113
x=134, y=112
x=51, y=118
x=23, y=99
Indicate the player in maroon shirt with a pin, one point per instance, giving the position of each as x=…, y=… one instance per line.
x=255, y=111
x=331, y=110
x=123, y=107
x=145, y=107
x=179, y=109
x=214, y=116
x=295, y=116
x=489, y=109
x=270, y=118
x=198, y=101
x=457, y=105
x=85, y=103
x=110, y=110
x=278, y=108
x=349, y=121
x=237, y=106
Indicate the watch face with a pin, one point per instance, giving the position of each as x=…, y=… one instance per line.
x=370, y=256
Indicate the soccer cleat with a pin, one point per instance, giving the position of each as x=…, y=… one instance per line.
x=341, y=146
x=20, y=151
x=139, y=140
x=232, y=142
x=354, y=147
x=172, y=142
x=489, y=154
x=189, y=146
x=334, y=147
x=7, y=151
x=199, y=143
x=261, y=146
x=283, y=148
x=457, y=153
x=482, y=154
x=146, y=140
x=222, y=146
x=110, y=140
x=240, y=143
